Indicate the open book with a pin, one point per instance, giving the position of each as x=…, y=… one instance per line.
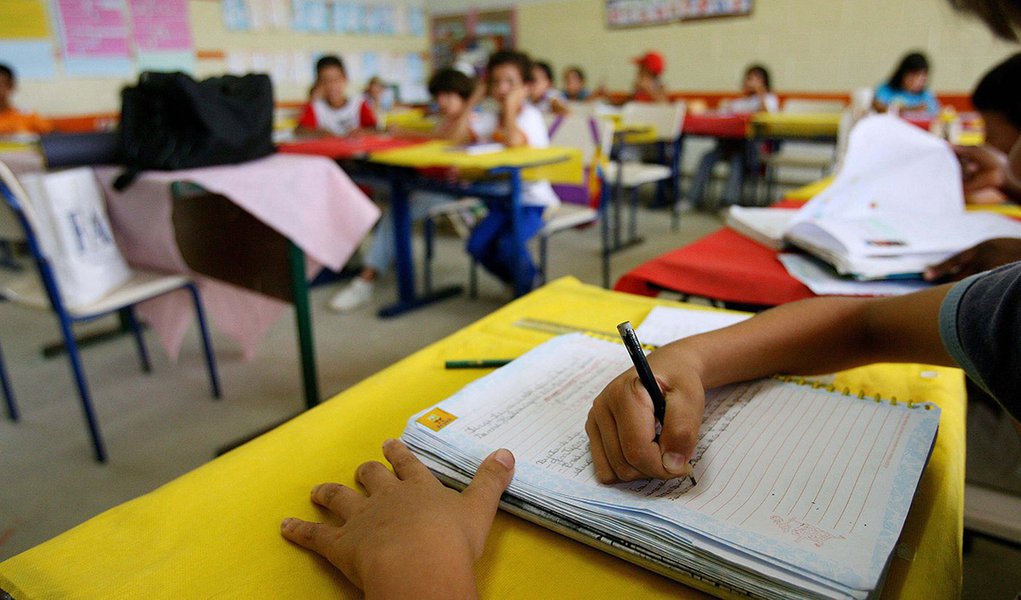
x=895, y=208
x=801, y=492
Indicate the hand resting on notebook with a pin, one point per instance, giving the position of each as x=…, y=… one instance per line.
x=409, y=525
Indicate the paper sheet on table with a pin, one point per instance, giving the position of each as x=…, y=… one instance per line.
x=824, y=282
x=891, y=166
x=665, y=324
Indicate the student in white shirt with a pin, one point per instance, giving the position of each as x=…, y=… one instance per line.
x=542, y=93
x=511, y=121
x=330, y=111
x=757, y=97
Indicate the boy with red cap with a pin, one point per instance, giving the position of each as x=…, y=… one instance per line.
x=648, y=87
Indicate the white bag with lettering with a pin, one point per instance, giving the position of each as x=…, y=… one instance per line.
x=68, y=214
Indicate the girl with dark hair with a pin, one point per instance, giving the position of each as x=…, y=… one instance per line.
x=757, y=97
x=907, y=87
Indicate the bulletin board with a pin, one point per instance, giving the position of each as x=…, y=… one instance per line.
x=100, y=45
x=641, y=13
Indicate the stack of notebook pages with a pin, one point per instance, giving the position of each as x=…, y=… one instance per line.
x=895, y=208
x=801, y=490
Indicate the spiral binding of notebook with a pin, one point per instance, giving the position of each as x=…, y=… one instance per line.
x=817, y=385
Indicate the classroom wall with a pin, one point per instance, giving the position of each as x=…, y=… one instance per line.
x=809, y=45
x=87, y=95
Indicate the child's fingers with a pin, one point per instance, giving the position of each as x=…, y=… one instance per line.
x=374, y=476
x=490, y=481
x=604, y=474
x=338, y=499
x=612, y=434
x=680, y=430
x=406, y=465
x=317, y=537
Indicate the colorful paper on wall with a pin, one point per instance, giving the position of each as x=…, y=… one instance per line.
x=94, y=29
x=416, y=21
x=30, y=59
x=24, y=19
x=235, y=15
x=161, y=25
x=95, y=41
x=311, y=16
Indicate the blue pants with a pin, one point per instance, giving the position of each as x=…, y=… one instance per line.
x=739, y=155
x=492, y=242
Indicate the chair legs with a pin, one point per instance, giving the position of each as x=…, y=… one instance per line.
x=128, y=314
x=429, y=227
x=207, y=346
x=543, y=258
x=83, y=389
x=5, y=383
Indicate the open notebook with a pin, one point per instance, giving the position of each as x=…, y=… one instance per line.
x=802, y=492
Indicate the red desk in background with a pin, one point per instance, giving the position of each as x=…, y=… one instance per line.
x=716, y=125
x=346, y=148
x=723, y=265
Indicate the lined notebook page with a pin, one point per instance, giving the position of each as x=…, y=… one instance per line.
x=807, y=476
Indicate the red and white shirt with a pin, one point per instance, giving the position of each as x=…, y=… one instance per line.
x=338, y=121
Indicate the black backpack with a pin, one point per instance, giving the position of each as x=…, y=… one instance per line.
x=170, y=121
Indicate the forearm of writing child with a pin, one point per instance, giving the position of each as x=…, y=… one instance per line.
x=814, y=336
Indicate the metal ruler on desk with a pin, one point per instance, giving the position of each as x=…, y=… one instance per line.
x=561, y=328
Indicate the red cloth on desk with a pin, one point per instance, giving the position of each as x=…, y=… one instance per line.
x=342, y=148
x=723, y=265
x=716, y=125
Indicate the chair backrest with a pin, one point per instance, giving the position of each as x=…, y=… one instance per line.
x=63, y=216
x=812, y=106
x=575, y=131
x=666, y=118
x=582, y=109
x=16, y=202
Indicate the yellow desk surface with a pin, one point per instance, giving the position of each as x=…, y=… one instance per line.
x=803, y=125
x=214, y=532
x=556, y=164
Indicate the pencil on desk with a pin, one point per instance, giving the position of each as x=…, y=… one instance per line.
x=484, y=363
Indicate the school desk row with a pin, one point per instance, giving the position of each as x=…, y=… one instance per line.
x=306, y=206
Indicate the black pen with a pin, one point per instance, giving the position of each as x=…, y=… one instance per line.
x=634, y=348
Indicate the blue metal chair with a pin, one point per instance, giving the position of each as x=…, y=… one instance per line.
x=5, y=383
x=45, y=294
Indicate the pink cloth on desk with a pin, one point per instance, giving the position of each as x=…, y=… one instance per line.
x=308, y=199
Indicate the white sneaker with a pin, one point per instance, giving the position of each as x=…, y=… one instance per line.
x=355, y=294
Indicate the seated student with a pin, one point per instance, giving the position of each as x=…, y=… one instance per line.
x=373, y=101
x=648, y=85
x=13, y=121
x=758, y=96
x=996, y=98
x=542, y=94
x=574, y=84
x=514, y=122
x=330, y=111
x=906, y=88
x=454, y=93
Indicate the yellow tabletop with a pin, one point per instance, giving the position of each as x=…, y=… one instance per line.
x=214, y=532
x=796, y=125
x=555, y=164
x=411, y=120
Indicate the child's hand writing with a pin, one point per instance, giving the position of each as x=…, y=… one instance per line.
x=621, y=427
x=411, y=536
